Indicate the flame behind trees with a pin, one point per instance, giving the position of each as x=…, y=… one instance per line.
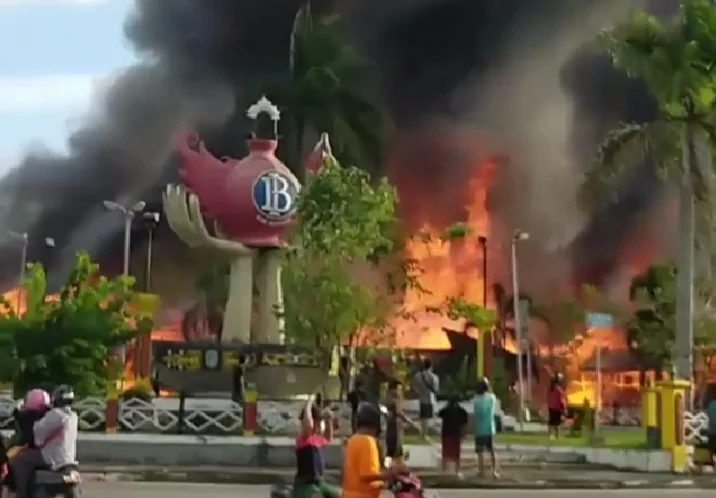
x=69, y=338
x=344, y=276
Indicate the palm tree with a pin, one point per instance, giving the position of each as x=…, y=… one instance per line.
x=325, y=91
x=675, y=60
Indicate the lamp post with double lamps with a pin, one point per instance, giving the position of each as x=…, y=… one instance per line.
x=517, y=237
x=24, y=239
x=128, y=213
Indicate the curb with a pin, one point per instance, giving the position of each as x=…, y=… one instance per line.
x=429, y=481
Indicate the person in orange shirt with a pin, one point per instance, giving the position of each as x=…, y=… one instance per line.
x=362, y=474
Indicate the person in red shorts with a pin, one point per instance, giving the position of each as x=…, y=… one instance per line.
x=454, y=418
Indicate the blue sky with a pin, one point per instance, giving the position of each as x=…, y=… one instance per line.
x=55, y=55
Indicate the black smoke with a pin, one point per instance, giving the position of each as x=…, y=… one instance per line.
x=200, y=55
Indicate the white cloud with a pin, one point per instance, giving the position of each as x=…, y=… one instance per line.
x=12, y=3
x=51, y=93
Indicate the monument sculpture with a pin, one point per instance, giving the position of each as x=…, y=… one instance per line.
x=240, y=209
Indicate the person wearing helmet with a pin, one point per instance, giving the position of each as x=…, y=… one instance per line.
x=55, y=437
x=362, y=475
x=31, y=409
x=28, y=411
x=484, y=410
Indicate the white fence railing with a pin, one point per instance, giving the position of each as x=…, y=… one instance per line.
x=696, y=426
x=223, y=416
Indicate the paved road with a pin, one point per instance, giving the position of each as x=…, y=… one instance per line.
x=183, y=490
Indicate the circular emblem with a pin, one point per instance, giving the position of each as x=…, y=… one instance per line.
x=211, y=359
x=274, y=196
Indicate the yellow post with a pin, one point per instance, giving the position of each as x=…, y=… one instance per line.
x=649, y=416
x=673, y=398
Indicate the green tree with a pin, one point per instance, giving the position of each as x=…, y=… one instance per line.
x=69, y=339
x=675, y=59
x=651, y=328
x=325, y=91
x=342, y=269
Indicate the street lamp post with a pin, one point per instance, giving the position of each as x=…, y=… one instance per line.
x=128, y=213
x=150, y=220
x=518, y=235
x=483, y=245
x=23, y=239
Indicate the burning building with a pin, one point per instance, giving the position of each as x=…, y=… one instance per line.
x=498, y=107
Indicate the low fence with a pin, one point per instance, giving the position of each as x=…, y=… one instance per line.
x=274, y=417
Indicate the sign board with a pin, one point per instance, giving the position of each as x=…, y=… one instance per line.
x=599, y=321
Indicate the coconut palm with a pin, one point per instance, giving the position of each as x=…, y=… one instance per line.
x=325, y=91
x=675, y=59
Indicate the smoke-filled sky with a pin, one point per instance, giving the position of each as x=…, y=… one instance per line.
x=516, y=70
x=56, y=54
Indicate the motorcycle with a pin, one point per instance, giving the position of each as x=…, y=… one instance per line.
x=46, y=483
x=402, y=486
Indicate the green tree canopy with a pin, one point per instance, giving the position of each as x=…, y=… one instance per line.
x=675, y=60
x=651, y=328
x=342, y=266
x=71, y=339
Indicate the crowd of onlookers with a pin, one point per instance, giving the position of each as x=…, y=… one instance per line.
x=425, y=384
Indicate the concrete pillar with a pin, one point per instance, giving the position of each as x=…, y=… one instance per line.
x=237, y=316
x=270, y=330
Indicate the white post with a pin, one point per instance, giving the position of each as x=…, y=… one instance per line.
x=518, y=330
x=23, y=267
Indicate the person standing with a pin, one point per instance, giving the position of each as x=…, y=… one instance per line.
x=556, y=406
x=454, y=419
x=426, y=384
x=355, y=398
x=395, y=419
x=484, y=408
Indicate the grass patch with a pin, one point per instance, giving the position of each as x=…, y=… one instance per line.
x=608, y=438
x=623, y=438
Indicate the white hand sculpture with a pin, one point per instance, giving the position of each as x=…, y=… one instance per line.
x=183, y=213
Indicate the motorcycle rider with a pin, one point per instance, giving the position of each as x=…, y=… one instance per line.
x=362, y=474
x=32, y=408
x=56, y=439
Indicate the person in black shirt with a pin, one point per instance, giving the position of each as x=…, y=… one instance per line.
x=454, y=418
x=354, y=398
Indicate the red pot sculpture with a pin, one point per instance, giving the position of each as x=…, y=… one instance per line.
x=252, y=199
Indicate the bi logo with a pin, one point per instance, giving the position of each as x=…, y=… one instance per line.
x=275, y=196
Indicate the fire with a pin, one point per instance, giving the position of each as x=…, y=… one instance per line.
x=449, y=269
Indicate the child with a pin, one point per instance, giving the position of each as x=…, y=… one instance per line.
x=454, y=419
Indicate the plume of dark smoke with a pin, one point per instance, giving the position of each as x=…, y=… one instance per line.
x=435, y=59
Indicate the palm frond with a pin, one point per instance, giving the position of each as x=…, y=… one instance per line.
x=626, y=147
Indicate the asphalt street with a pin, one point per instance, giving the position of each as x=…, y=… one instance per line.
x=184, y=490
